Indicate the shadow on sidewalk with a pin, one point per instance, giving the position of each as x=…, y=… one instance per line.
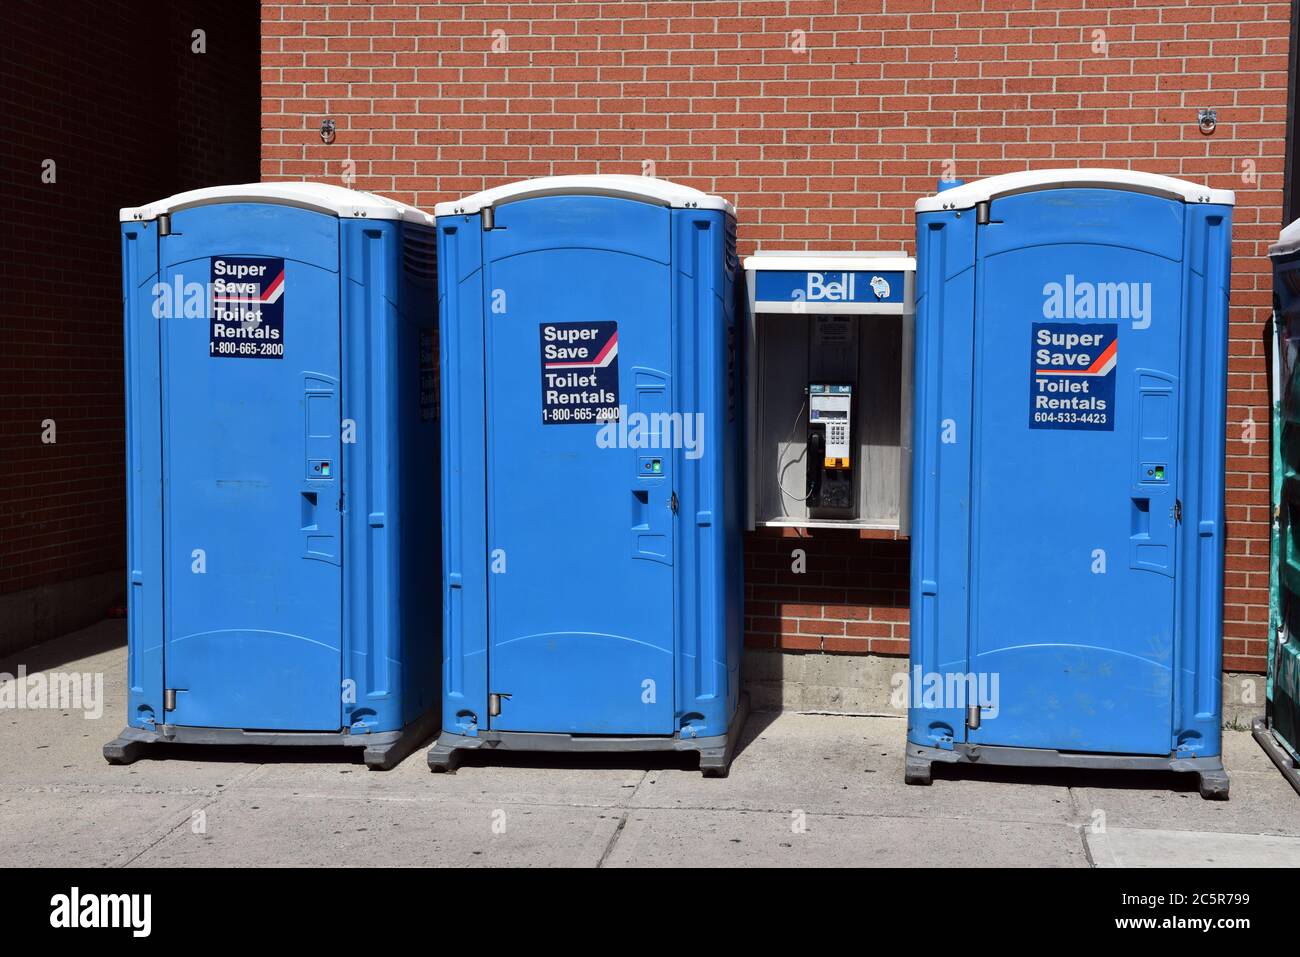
x=51, y=655
x=1110, y=779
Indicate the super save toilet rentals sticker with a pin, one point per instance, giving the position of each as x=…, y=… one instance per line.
x=579, y=372
x=1072, y=376
x=247, y=314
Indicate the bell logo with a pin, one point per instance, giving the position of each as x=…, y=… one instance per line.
x=819, y=289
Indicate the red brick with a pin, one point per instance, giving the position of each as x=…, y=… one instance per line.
x=824, y=147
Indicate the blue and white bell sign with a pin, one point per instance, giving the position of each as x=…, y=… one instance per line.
x=820, y=283
x=819, y=286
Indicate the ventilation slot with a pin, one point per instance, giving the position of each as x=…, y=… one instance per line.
x=419, y=255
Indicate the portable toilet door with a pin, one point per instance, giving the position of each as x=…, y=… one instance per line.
x=1067, y=550
x=282, y=513
x=1278, y=732
x=591, y=506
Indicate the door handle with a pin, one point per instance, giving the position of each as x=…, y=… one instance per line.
x=309, y=500
x=1141, y=518
x=1151, y=543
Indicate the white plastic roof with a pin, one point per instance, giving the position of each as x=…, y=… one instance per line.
x=321, y=197
x=1288, y=241
x=840, y=261
x=979, y=191
x=645, y=189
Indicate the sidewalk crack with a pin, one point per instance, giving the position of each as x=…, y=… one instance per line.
x=201, y=805
x=613, y=839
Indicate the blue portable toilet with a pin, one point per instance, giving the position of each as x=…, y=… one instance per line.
x=592, y=501
x=282, y=462
x=1068, y=518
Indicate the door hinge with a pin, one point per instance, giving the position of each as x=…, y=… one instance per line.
x=169, y=699
x=165, y=224
x=673, y=503
x=494, y=703
x=982, y=213
x=489, y=220
x=973, y=717
x=1178, y=511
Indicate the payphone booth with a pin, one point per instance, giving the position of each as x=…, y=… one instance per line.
x=830, y=390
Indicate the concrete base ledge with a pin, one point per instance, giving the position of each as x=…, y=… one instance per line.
x=873, y=685
x=38, y=614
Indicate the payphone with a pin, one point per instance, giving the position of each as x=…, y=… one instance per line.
x=830, y=454
x=830, y=358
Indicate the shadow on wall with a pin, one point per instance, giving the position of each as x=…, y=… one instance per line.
x=107, y=105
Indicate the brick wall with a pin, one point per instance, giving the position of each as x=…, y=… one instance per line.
x=113, y=94
x=828, y=590
x=823, y=121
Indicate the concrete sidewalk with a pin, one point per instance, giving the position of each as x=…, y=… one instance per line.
x=805, y=790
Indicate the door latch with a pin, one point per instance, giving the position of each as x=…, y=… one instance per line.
x=672, y=503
